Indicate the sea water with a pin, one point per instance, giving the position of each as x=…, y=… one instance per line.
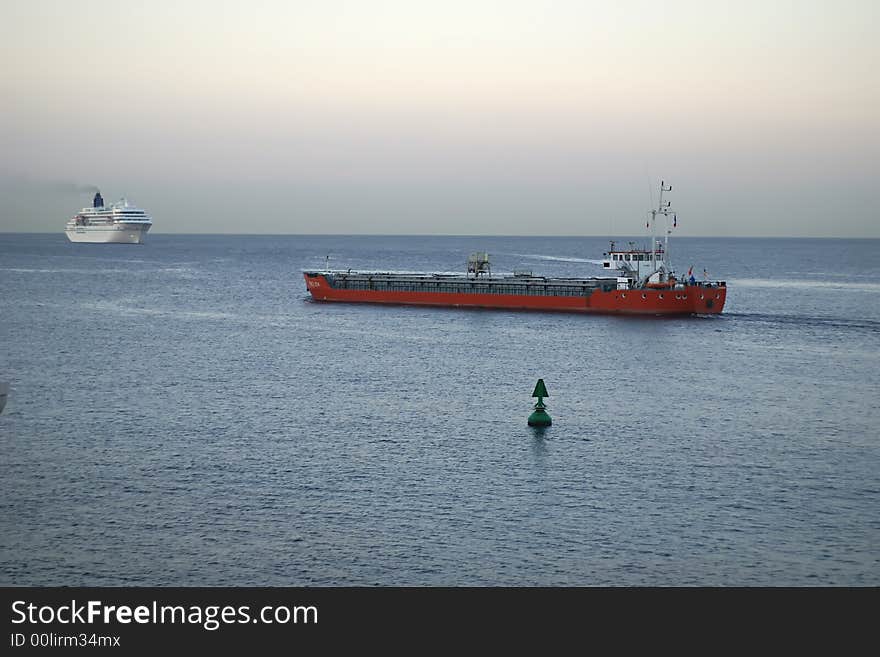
x=181, y=413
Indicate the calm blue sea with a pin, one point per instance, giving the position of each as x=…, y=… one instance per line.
x=182, y=414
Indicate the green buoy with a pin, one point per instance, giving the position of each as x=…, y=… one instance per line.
x=540, y=418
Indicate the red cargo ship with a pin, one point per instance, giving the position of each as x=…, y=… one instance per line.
x=645, y=284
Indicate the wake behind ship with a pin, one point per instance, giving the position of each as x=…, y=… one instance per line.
x=644, y=284
x=119, y=223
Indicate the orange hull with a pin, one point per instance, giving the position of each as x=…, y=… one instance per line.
x=689, y=300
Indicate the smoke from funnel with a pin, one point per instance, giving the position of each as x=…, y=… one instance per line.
x=60, y=187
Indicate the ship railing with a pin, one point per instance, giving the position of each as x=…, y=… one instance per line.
x=708, y=284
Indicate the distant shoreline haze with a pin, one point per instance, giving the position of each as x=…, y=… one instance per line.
x=30, y=206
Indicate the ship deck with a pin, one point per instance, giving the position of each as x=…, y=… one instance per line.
x=456, y=283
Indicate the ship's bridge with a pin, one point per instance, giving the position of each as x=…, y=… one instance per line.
x=634, y=262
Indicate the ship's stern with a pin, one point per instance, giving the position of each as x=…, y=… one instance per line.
x=709, y=298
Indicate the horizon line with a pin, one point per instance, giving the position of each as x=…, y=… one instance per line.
x=532, y=235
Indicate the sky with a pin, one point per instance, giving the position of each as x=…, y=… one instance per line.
x=476, y=117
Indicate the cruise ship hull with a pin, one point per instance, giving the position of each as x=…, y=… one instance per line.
x=681, y=300
x=113, y=234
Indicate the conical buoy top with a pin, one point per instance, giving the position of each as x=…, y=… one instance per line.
x=540, y=418
x=540, y=389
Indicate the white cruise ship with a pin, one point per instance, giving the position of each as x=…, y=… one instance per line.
x=120, y=223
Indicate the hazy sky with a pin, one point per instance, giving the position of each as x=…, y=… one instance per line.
x=471, y=117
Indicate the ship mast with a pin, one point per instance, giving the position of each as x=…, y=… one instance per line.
x=663, y=208
x=666, y=211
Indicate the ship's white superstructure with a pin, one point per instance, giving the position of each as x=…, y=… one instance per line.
x=640, y=266
x=121, y=223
